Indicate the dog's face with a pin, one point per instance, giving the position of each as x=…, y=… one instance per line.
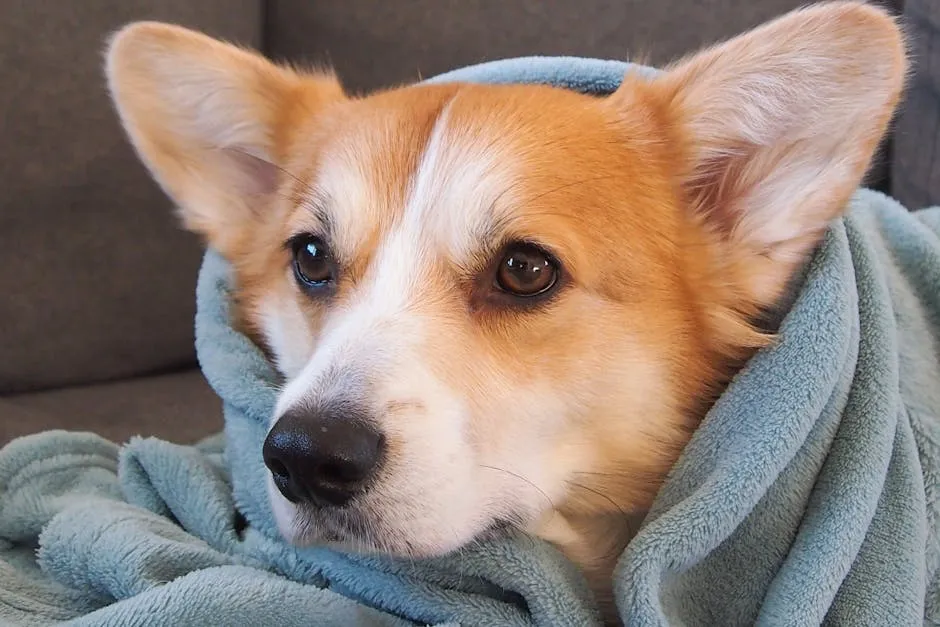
x=465, y=265
x=474, y=282
x=497, y=304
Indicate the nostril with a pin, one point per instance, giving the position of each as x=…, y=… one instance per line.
x=278, y=469
x=341, y=472
x=274, y=454
x=336, y=472
x=354, y=462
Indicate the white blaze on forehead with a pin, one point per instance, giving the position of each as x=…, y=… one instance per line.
x=447, y=211
x=462, y=174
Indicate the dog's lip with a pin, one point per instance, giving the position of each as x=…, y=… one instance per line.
x=352, y=530
x=499, y=528
x=500, y=525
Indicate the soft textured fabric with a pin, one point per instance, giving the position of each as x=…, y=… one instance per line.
x=808, y=495
x=148, y=534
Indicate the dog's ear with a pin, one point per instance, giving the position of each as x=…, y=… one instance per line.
x=776, y=128
x=210, y=121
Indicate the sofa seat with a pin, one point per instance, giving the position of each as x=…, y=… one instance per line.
x=179, y=407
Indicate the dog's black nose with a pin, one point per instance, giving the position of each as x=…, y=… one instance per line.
x=322, y=457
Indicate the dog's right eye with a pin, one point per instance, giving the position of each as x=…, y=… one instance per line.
x=313, y=266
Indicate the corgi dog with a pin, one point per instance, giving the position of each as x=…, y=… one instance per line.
x=505, y=306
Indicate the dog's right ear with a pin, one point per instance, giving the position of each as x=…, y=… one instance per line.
x=210, y=120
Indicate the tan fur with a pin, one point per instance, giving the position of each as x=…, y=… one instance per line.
x=679, y=208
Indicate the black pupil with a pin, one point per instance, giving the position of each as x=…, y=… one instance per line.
x=526, y=272
x=525, y=268
x=311, y=262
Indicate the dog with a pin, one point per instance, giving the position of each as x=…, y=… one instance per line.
x=505, y=306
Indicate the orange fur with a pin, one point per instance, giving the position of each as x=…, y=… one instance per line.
x=679, y=208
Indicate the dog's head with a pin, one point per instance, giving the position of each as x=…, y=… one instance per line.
x=494, y=302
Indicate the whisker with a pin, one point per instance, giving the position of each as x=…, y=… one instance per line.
x=245, y=153
x=500, y=223
x=521, y=478
x=602, y=495
x=598, y=474
x=575, y=184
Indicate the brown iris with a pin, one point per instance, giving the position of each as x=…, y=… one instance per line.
x=525, y=270
x=312, y=264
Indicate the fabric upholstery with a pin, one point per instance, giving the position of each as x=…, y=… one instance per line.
x=373, y=43
x=97, y=280
x=916, y=159
x=179, y=407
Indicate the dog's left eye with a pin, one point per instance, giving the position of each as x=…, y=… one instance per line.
x=526, y=270
x=313, y=266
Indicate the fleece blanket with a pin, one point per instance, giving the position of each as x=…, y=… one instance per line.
x=808, y=496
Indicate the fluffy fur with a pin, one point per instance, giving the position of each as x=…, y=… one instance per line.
x=678, y=208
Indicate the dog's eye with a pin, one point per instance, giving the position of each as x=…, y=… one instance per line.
x=526, y=270
x=313, y=266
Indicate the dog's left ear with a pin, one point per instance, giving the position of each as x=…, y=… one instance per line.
x=775, y=130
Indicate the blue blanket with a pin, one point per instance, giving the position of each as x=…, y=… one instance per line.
x=809, y=495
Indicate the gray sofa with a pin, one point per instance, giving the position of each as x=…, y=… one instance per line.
x=97, y=281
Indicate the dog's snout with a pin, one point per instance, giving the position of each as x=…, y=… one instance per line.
x=323, y=457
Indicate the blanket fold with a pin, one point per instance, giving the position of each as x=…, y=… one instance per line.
x=809, y=495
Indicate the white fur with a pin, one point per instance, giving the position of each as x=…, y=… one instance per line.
x=458, y=180
x=281, y=318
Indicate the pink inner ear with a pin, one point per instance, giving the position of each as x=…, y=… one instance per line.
x=257, y=176
x=716, y=185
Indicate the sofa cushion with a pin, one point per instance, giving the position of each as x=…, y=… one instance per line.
x=97, y=279
x=179, y=407
x=916, y=158
x=375, y=43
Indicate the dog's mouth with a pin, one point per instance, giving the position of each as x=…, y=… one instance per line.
x=499, y=528
x=343, y=527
